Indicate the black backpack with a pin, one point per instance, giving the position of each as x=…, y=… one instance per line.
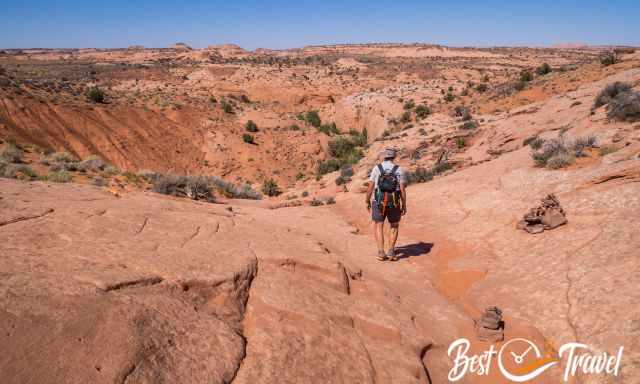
x=388, y=181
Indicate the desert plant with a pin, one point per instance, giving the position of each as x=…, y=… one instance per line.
x=441, y=167
x=346, y=170
x=250, y=126
x=554, y=148
x=526, y=76
x=534, y=142
x=58, y=157
x=316, y=202
x=95, y=95
x=11, y=153
x=193, y=187
x=519, y=85
x=330, y=200
x=342, y=180
x=248, y=138
x=58, y=177
x=560, y=160
x=609, y=92
x=449, y=97
x=625, y=107
x=409, y=105
x=419, y=175
x=422, y=111
x=609, y=58
x=19, y=171
x=226, y=106
x=405, y=117
x=304, y=194
x=543, y=69
x=583, y=143
x=460, y=142
x=270, y=188
x=327, y=166
x=422, y=131
x=91, y=163
x=469, y=125
x=329, y=129
x=245, y=99
x=482, y=87
x=313, y=118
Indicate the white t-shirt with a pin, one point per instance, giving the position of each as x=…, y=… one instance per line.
x=387, y=165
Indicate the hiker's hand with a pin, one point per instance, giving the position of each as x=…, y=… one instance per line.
x=404, y=209
x=368, y=205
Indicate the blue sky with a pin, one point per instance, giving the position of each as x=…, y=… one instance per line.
x=287, y=24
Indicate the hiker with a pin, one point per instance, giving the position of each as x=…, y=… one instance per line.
x=387, y=199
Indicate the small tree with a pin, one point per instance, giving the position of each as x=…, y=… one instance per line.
x=609, y=58
x=313, y=118
x=250, y=126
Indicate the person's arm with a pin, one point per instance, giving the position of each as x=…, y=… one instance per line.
x=369, y=192
x=403, y=198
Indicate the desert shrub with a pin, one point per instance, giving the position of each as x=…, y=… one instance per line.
x=19, y=171
x=58, y=157
x=247, y=138
x=607, y=149
x=95, y=95
x=543, y=69
x=11, y=153
x=409, y=105
x=463, y=112
x=330, y=200
x=294, y=127
x=560, y=160
x=469, y=125
x=359, y=138
x=551, y=148
x=270, y=188
x=449, y=97
x=405, y=117
x=250, y=126
x=313, y=118
x=244, y=98
x=609, y=92
x=213, y=100
x=346, y=170
x=583, y=143
x=482, y=87
x=226, y=106
x=526, y=76
x=304, y=194
x=329, y=129
x=193, y=187
x=110, y=170
x=91, y=163
x=316, y=202
x=299, y=176
x=422, y=111
x=419, y=175
x=461, y=142
x=519, y=85
x=100, y=182
x=441, y=167
x=342, y=180
x=625, y=107
x=534, y=142
x=327, y=166
x=422, y=131
x=609, y=58
x=58, y=176
x=231, y=190
x=148, y=174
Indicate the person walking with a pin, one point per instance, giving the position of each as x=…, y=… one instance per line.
x=387, y=199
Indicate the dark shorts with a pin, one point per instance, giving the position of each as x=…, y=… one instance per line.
x=392, y=214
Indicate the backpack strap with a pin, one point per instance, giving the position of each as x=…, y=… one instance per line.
x=393, y=171
x=380, y=169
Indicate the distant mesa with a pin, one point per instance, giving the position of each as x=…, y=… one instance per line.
x=135, y=47
x=181, y=47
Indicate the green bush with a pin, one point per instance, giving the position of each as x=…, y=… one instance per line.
x=226, y=107
x=405, y=117
x=270, y=188
x=461, y=142
x=95, y=95
x=409, y=105
x=316, y=202
x=543, y=69
x=519, y=85
x=534, y=142
x=422, y=111
x=469, y=125
x=610, y=92
x=419, y=175
x=329, y=129
x=449, y=97
x=482, y=87
x=313, y=119
x=526, y=76
x=330, y=200
x=247, y=138
x=250, y=126
x=18, y=171
x=441, y=167
x=560, y=160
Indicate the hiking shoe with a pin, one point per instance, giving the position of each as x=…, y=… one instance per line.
x=382, y=256
x=391, y=255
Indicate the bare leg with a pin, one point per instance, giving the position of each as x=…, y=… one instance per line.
x=393, y=235
x=379, y=234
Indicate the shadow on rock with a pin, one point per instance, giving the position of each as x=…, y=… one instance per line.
x=415, y=249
